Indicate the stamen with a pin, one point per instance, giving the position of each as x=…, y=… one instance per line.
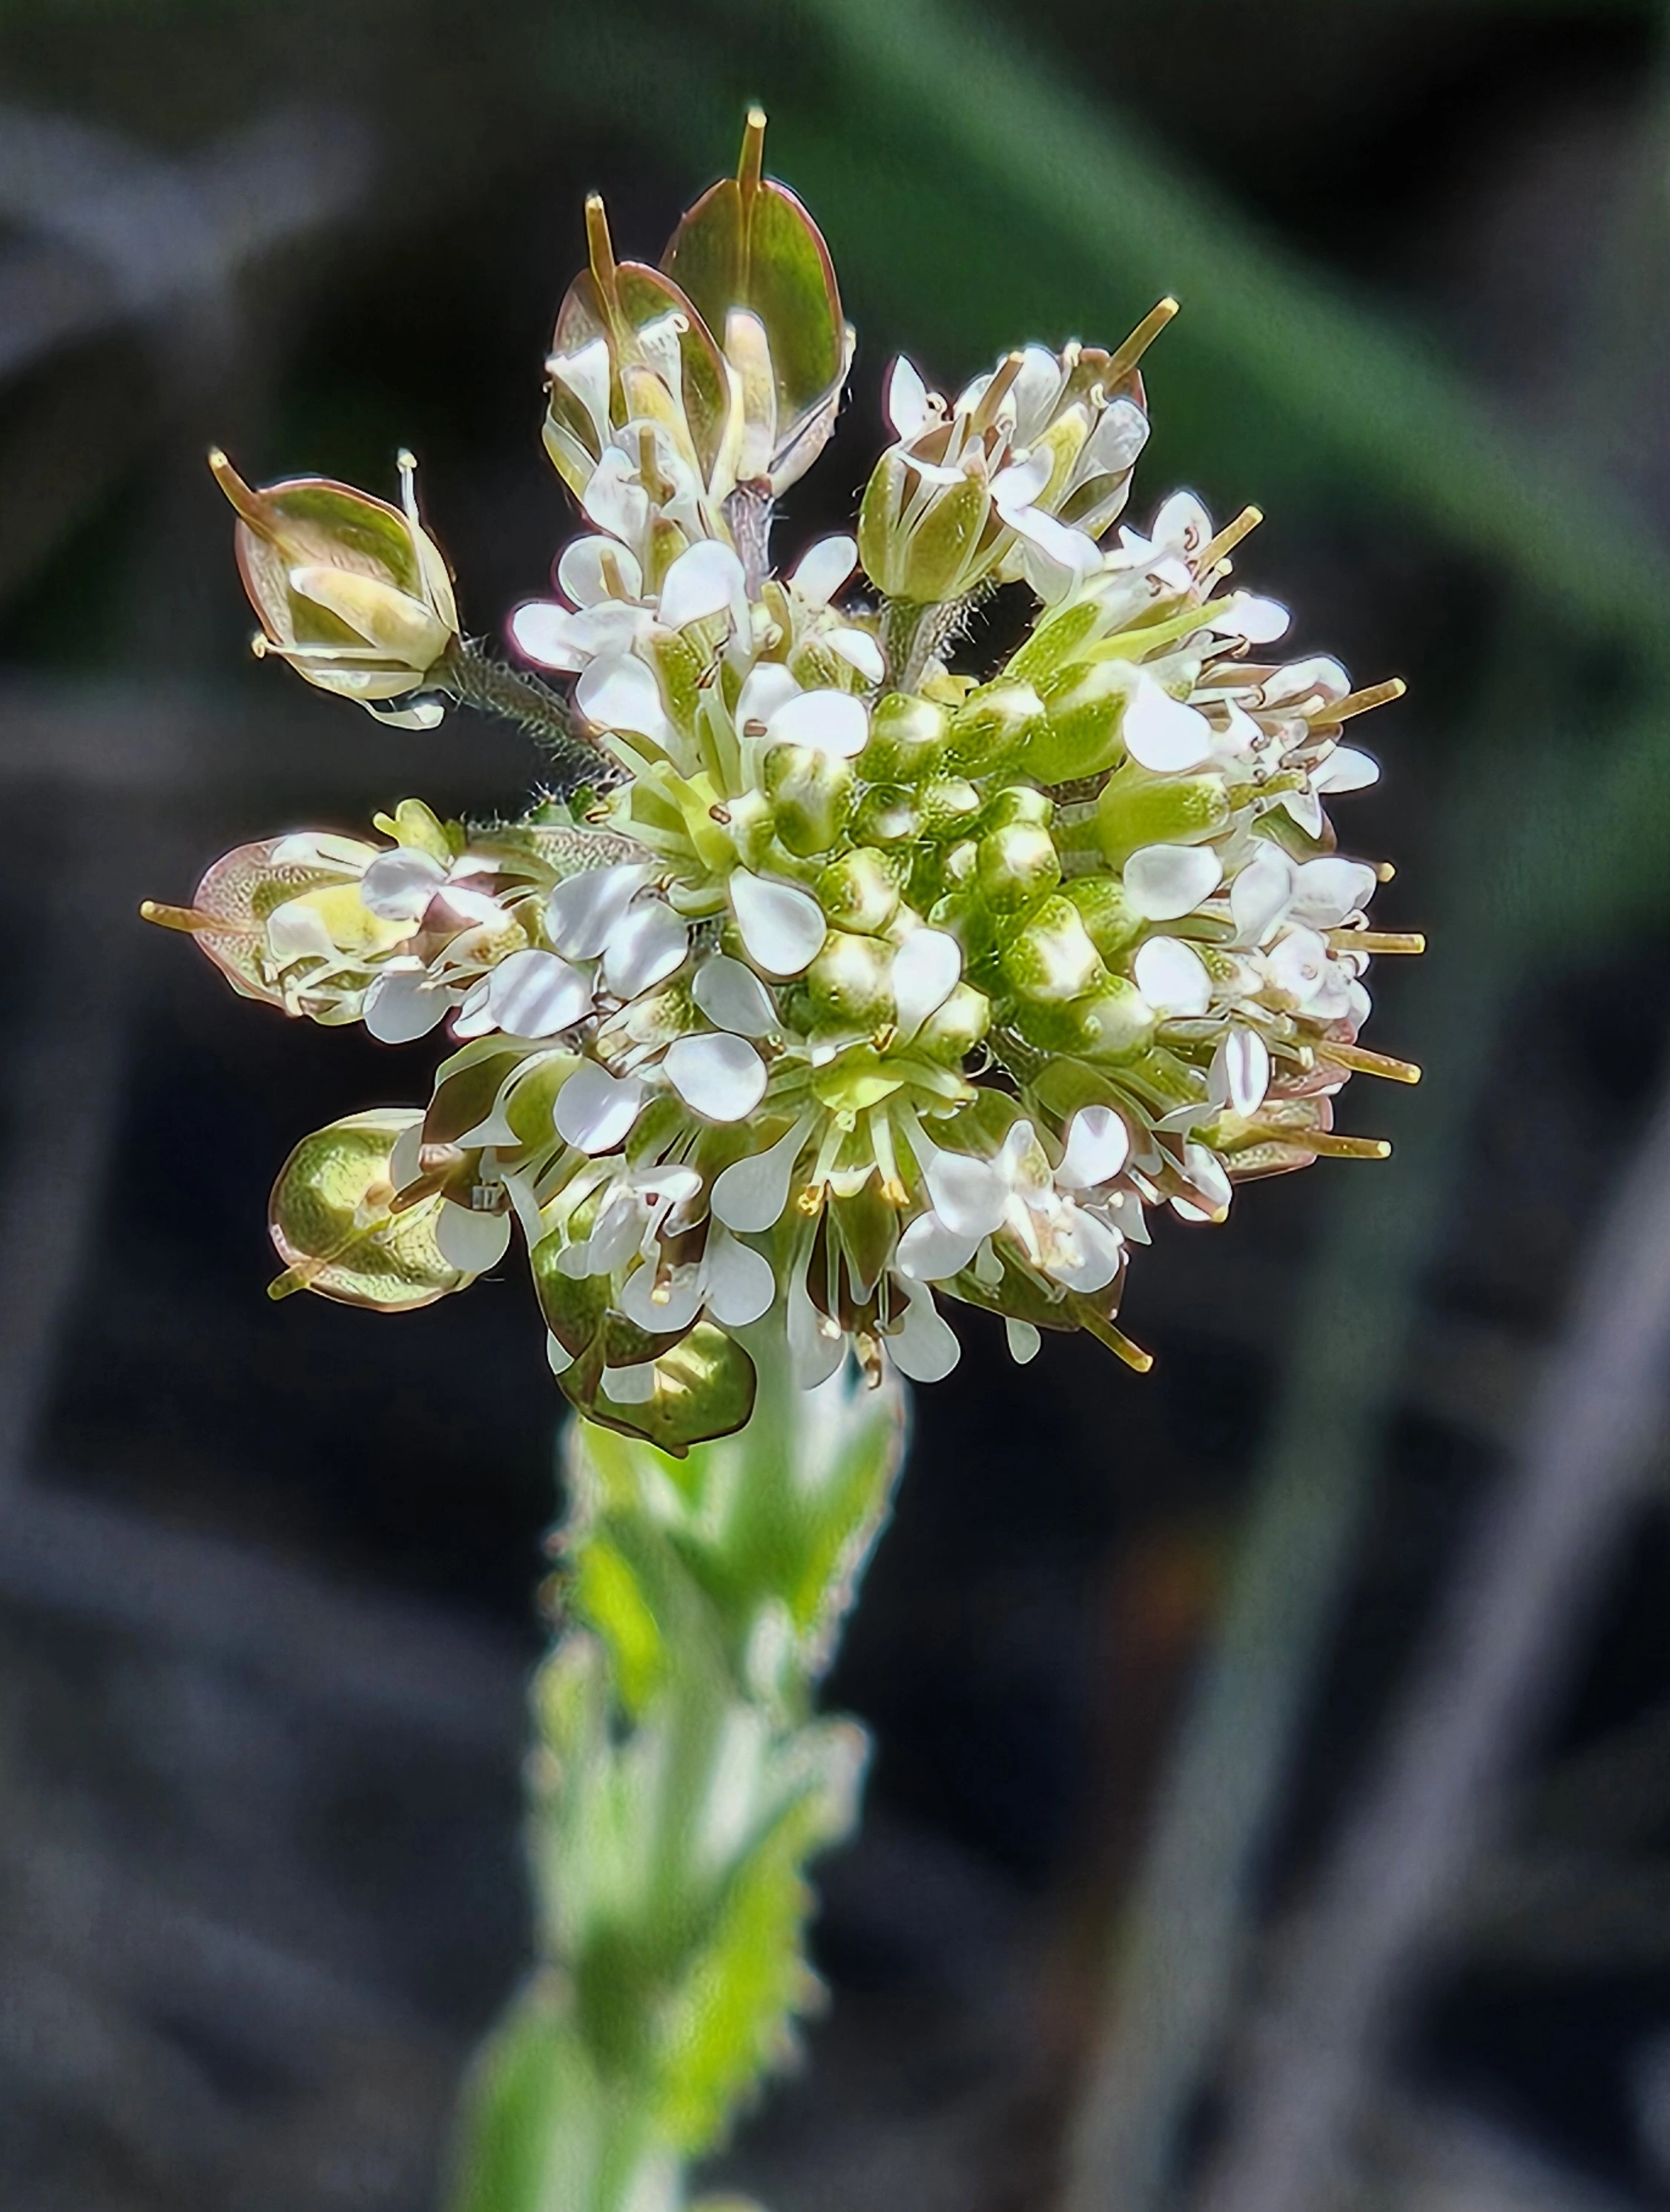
x=1125, y=357
x=1384, y=871
x=869, y=1358
x=997, y=391
x=1229, y=537
x=751, y=166
x=721, y=815
x=1329, y=1146
x=194, y=921
x=1364, y=1062
x=1376, y=940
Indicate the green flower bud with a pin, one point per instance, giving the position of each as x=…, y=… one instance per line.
x=949, y=806
x=1053, y=959
x=887, y=815
x=811, y=796
x=923, y=549
x=1018, y=865
x=1081, y=735
x=353, y=593
x=1109, y=914
x=993, y=726
x=1107, y=1024
x=1056, y=641
x=907, y=738
x=851, y=981
x=858, y=892
x=955, y=1029
x=1138, y=809
x=1019, y=802
x=966, y=916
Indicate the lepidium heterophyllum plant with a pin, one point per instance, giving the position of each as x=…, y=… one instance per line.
x=824, y=981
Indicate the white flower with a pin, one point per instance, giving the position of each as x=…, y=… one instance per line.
x=731, y=1280
x=719, y=1076
x=1271, y=889
x=1016, y=1194
x=1166, y=882
x=595, y=1110
x=833, y=723
x=1172, y=976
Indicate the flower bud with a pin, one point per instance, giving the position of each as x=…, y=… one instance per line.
x=858, y=892
x=1019, y=802
x=923, y=541
x=1018, y=865
x=851, y=981
x=1138, y=809
x=887, y=815
x=352, y=592
x=1108, y=913
x=1053, y=959
x=1107, y=1025
x=949, y=807
x=907, y=738
x=993, y=726
x=811, y=796
x=1081, y=734
x=951, y=1032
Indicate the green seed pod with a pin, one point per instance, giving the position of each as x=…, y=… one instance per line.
x=1018, y=865
x=1019, y=802
x=994, y=725
x=811, y=796
x=955, y=1029
x=858, y=892
x=1109, y=916
x=851, y=981
x=907, y=738
x=1053, y=959
x=887, y=815
x=1138, y=809
x=332, y=1219
x=949, y=807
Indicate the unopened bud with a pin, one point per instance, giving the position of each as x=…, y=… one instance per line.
x=923, y=545
x=811, y=796
x=1053, y=959
x=887, y=815
x=907, y=738
x=1018, y=865
x=1108, y=1024
x=949, y=806
x=858, y=892
x=995, y=725
x=951, y=1032
x=1109, y=914
x=1019, y=802
x=851, y=981
x=1138, y=809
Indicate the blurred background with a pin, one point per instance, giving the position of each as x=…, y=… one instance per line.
x=1271, y=1806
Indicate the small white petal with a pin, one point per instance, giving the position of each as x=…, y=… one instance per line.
x=405, y=1159
x=1260, y=895
x=720, y=1077
x=535, y=995
x=585, y=372
x=583, y=571
x=1162, y=733
x=923, y=1346
x=1020, y=483
x=1327, y=891
x=1024, y=1341
x=322, y=849
x=733, y=998
x=1167, y=881
x=620, y=692
x=595, y=1110
x=674, y=1310
x=706, y=578
x=907, y=401
x=1115, y=442
x=1183, y=524
x=969, y=1195
x=833, y=723
x=817, y=1349
x=474, y=1018
x=398, y=885
x=926, y=969
x=646, y=946
x=765, y=687
x=1206, y=1171
x=1241, y=1071
x=751, y=1194
x=1071, y=551
x=399, y=1008
x=740, y=1284
x=614, y=500
x=543, y=631
x=471, y=1242
x=296, y=930
x=583, y=910
x=558, y=1354
x=929, y=1252
x=1321, y=677
x=1097, y=1143
x=1345, y=769
x=1172, y=976
x=782, y=926
x=1258, y=620
x=630, y=1386
x=822, y=568
x=859, y=650
x=1094, y=1257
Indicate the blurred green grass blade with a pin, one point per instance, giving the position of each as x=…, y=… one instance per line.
x=953, y=83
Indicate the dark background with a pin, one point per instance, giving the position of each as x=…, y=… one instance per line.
x=1138, y=1653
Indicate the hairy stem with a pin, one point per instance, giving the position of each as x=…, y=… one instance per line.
x=476, y=678
x=912, y=634
x=679, y=1784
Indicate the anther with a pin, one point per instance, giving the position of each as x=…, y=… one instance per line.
x=1361, y=1061
x=1361, y=702
x=721, y=815
x=1377, y=940
x=1328, y=1147
x=811, y=1198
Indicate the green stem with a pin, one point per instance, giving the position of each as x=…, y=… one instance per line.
x=477, y=678
x=912, y=633
x=680, y=1781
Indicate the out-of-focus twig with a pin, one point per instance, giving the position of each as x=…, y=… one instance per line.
x=1511, y=1620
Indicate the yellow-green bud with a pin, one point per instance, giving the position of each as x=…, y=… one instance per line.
x=851, y=981
x=1019, y=802
x=1109, y=914
x=1138, y=809
x=949, y=807
x=887, y=815
x=858, y=892
x=811, y=796
x=955, y=1029
x=907, y=738
x=1081, y=733
x=993, y=726
x=965, y=915
x=935, y=555
x=1053, y=959
x=1018, y=865
x=1107, y=1024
